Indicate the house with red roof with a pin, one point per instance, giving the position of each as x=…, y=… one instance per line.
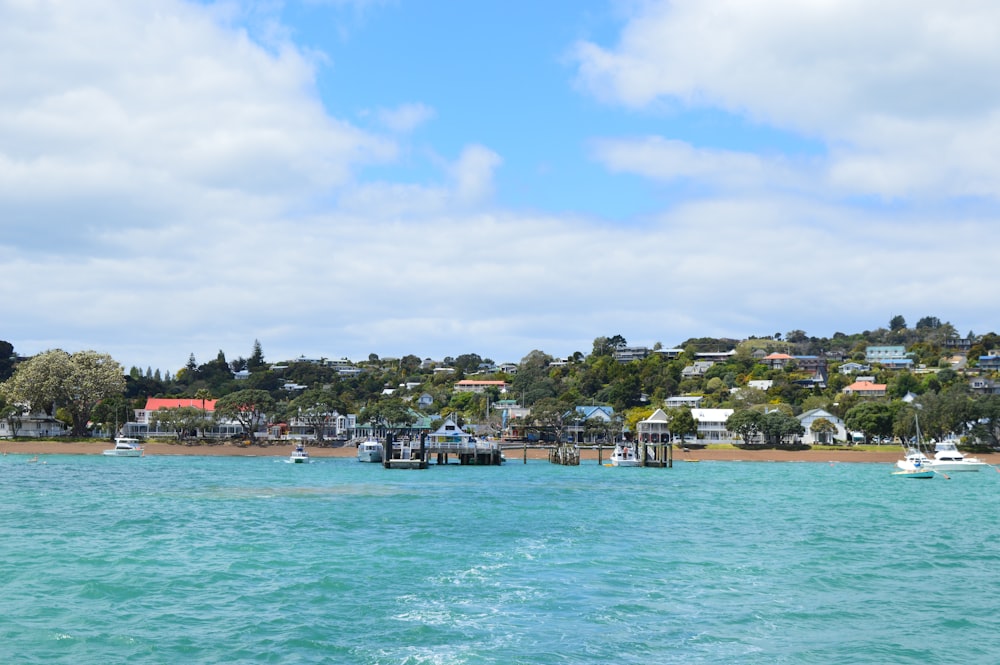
x=144, y=426
x=865, y=389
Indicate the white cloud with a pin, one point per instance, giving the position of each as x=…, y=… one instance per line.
x=161, y=109
x=405, y=118
x=898, y=90
x=167, y=186
x=666, y=160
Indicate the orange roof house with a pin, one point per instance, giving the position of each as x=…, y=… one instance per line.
x=157, y=403
x=866, y=389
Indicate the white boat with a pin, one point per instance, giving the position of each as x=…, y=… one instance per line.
x=125, y=447
x=914, y=473
x=914, y=460
x=947, y=457
x=370, y=450
x=624, y=455
x=299, y=456
x=915, y=463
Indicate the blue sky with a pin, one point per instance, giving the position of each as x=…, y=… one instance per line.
x=349, y=177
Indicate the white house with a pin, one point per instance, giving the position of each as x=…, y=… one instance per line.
x=712, y=425
x=811, y=416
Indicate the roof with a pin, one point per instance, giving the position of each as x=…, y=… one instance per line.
x=592, y=411
x=658, y=417
x=865, y=385
x=157, y=403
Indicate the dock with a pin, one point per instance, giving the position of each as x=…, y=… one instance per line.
x=443, y=446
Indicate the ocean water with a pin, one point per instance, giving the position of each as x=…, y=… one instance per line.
x=253, y=560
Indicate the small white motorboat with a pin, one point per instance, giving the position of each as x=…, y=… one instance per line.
x=624, y=455
x=300, y=455
x=125, y=447
x=370, y=450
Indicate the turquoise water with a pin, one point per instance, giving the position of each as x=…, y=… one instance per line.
x=253, y=560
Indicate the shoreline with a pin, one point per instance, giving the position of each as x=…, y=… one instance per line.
x=513, y=453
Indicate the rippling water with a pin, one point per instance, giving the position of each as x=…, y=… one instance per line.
x=252, y=560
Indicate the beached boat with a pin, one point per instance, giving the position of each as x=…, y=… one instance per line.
x=125, y=447
x=624, y=455
x=947, y=457
x=370, y=450
x=300, y=455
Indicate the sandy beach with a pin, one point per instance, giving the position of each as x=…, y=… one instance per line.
x=514, y=454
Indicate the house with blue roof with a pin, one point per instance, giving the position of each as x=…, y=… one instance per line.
x=578, y=431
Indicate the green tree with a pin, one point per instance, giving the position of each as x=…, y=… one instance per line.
x=256, y=359
x=184, y=421
x=682, y=423
x=551, y=418
x=388, y=412
x=11, y=413
x=6, y=360
x=897, y=323
x=777, y=426
x=745, y=423
x=74, y=382
x=823, y=430
x=112, y=413
x=871, y=419
x=249, y=408
x=316, y=409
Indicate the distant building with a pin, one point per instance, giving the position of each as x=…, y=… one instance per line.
x=878, y=354
x=627, y=354
x=865, y=389
x=712, y=424
x=477, y=386
x=677, y=401
x=810, y=437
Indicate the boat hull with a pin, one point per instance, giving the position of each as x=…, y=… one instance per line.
x=370, y=453
x=919, y=474
x=123, y=453
x=953, y=467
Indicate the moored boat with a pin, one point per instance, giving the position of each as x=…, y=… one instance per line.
x=370, y=450
x=125, y=447
x=947, y=457
x=914, y=473
x=624, y=455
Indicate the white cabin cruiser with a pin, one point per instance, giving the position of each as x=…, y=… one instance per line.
x=947, y=457
x=624, y=455
x=125, y=447
x=300, y=455
x=370, y=450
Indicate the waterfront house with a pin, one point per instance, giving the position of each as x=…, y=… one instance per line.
x=827, y=438
x=712, y=425
x=477, y=386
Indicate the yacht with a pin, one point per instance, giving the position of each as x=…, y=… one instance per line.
x=125, y=447
x=947, y=457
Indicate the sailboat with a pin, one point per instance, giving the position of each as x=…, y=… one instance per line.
x=915, y=464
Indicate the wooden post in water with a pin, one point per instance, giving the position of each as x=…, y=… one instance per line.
x=600, y=455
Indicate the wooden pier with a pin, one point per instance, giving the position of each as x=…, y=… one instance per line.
x=446, y=444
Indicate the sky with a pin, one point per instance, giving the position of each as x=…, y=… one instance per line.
x=336, y=178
